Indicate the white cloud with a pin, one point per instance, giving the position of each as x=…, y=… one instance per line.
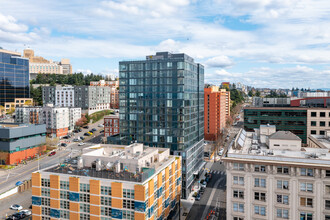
x=219, y=61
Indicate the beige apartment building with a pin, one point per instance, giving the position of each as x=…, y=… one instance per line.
x=264, y=182
x=318, y=121
x=40, y=65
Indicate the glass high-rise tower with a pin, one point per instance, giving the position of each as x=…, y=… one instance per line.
x=162, y=105
x=14, y=76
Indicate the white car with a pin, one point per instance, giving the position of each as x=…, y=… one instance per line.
x=81, y=144
x=16, y=207
x=101, y=125
x=220, y=152
x=26, y=212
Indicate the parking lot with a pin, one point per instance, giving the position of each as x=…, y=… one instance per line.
x=23, y=199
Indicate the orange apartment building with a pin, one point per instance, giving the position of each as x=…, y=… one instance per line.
x=216, y=106
x=147, y=185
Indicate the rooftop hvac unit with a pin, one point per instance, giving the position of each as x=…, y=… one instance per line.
x=98, y=165
x=80, y=163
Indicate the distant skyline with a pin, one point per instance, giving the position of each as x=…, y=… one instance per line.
x=261, y=43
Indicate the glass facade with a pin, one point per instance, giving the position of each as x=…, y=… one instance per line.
x=14, y=77
x=294, y=120
x=161, y=103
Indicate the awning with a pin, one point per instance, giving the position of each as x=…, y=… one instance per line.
x=199, y=168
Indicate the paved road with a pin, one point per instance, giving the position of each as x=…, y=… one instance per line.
x=218, y=182
x=9, y=178
x=23, y=199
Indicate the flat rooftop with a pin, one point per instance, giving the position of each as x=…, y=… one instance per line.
x=251, y=149
x=133, y=163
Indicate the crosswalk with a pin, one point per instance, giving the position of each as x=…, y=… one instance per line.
x=217, y=172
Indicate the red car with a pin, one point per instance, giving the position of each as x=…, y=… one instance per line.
x=52, y=153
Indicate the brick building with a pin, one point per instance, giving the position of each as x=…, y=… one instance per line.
x=111, y=125
x=215, y=112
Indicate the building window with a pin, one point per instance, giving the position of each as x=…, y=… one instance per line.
x=45, y=182
x=238, y=180
x=327, y=217
x=260, y=168
x=260, y=210
x=313, y=131
x=306, y=216
x=105, y=190
x=283, y=170
x=64, y=185
x=308, y=202
x=84, y=207
x=45, y=201
x=238, y=218
x=84, y=216
x=283, y=199
x=306, y=187
x=84, y=197
x=239, y=166
x=105, y=201
x=64, y=204
x=306, y=172
x=327, y=189
x=322, y=132
x=260, y=196
x=259, y=182
x=282, y=184
x=322, y=123
x=282, y=213
x=322, y=114
x=313, y=114
x=313, y=123
x=238, y=194
x=106, y=211
x=327, y=204
x=45, y=192
x=238, y=207
x=84, y=187
x=128, y=204
x=327, y=173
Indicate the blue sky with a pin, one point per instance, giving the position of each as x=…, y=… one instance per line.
x=262, y=43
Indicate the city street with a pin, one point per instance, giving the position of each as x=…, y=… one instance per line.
x=10, y=177
x=214, y=191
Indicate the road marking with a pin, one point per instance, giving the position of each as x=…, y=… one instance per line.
x=27, y=171
x=210, y=198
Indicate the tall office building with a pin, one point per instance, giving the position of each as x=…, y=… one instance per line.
x=14, y=76
x=162, y=105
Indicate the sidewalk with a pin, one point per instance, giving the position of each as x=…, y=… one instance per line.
x=186, y=204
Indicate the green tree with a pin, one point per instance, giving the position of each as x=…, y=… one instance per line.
x=257, y=93
x=250, y=93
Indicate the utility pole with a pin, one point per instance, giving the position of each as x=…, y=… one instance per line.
x=38, y=162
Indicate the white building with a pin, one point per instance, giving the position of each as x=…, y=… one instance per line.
x=266, y=182
x=59, y=120
x=64, y=96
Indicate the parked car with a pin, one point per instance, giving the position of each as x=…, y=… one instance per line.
x=16, y=207
x=52, y=153
x=19, y=215
x=82, y=138
x=90, y=132
x=101, y=131
x=87, y=134
x=86, y=126
x=81, y=144
x=26, y=212
x=63, y=145
x=94, y=129
x=221, y=152
x=18, y=183
x=198, y=197
x=101, y=125
x=76, y=140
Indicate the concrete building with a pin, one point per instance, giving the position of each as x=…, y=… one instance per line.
x=109, y=182
x=40, y=65
x=20, y=141
x=89, y=98
x=265, y=183
x=18, y=102
x=111, y=125
x=14, y=77
x=58, y=120
x=114, y=91
x=215, y=113
x=162, y=105
x=318, y=121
